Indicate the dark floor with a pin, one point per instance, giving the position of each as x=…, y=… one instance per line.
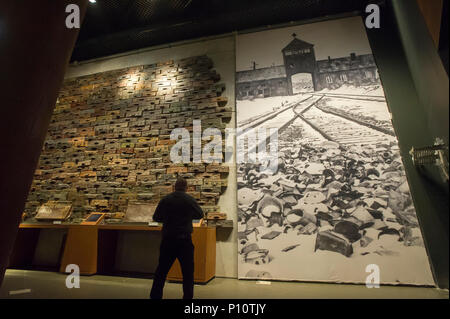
x=41, y=284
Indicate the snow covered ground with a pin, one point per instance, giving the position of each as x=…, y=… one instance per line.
x=248, y=109
x=376, y=90
x=376, y=110
x=372, y=192
x=303, y=263
x=327, y=195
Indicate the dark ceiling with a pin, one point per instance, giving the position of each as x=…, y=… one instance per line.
x=114, y=26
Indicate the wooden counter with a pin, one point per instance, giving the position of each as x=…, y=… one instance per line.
x=93, y=248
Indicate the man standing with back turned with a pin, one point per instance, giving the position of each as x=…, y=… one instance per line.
x=176, y=211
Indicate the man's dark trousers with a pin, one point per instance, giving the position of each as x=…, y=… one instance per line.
x=171, y=248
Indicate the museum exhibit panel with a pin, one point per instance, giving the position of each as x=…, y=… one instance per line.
x=339, y=200
x=316, y=148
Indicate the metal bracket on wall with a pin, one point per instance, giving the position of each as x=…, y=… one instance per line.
x=432, y=155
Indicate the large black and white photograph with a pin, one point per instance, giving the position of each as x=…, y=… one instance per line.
x=339, y=200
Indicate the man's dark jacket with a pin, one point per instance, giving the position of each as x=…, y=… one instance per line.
x=176, y=211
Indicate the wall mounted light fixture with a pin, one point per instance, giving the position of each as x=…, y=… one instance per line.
x=432, y=155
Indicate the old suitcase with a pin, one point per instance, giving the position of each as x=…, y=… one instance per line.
x=54, y=211
x=332, y=241
x=139, y=212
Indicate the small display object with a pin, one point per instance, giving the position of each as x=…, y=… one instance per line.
x=220, y=223
x=139, y=212
x=197, y=222
x=154, y=224
x=54, y=211
x=216, y=215
x=93, y=219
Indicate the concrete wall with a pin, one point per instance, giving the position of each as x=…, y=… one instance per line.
x=222, y=52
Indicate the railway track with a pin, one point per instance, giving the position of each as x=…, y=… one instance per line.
x=318, y=125
x=358, y=97
x=280, y=120
x=260, y=120
x=344, y=130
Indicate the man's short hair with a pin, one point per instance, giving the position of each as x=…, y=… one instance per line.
x=181, y=184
